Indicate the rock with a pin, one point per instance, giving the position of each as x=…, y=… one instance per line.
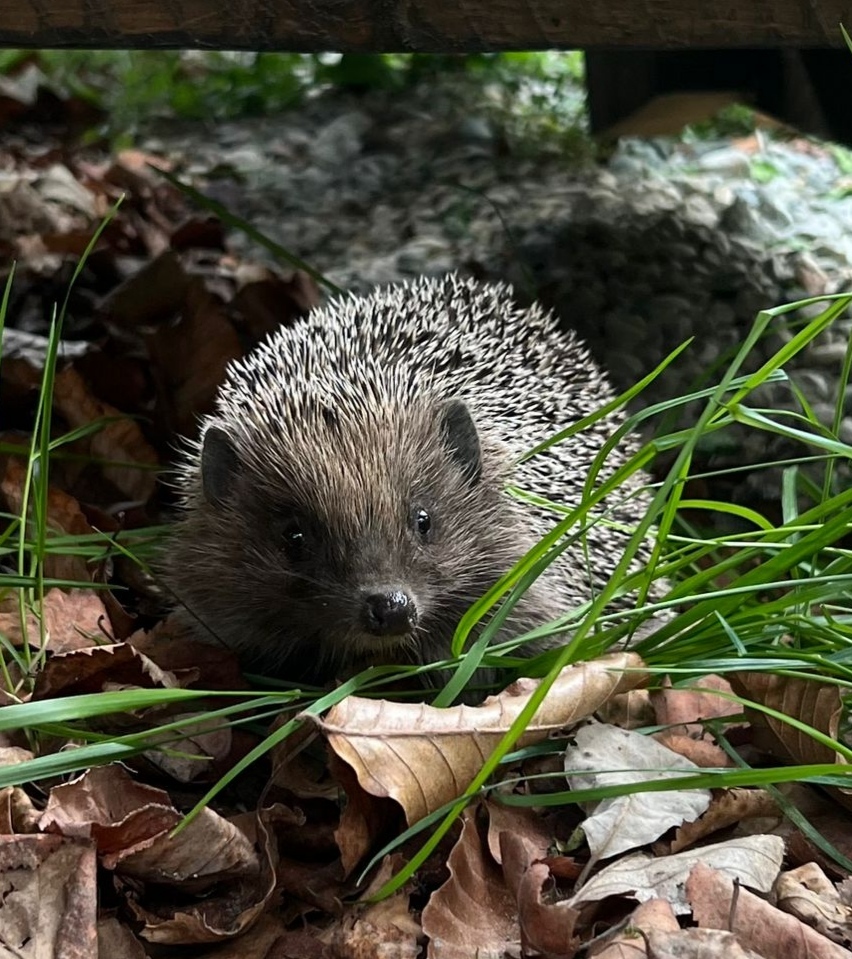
x=341, y=140
x=810, y=274
x=727, y=161
x=814, y=384
x=827, y=354
x=699, y=211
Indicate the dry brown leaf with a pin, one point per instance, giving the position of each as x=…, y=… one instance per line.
x=313, y=886
x=365, y=819
x=192, y=757
x=12, y=755
x=817, y=704
x=49, y=902
x=700, y=751
x=24, y=354
x=727, y=808
x=266, y=301
x=474, y=912
x=17, y=812
x=116, y=940
x=630, y=710
x=207, y=851
x=685, y=706
x=172, y=646
x=756, y=924
x=424, y=757
x=96, y=668
x=231, y=908
x=150, y=297
x=107, y=806
x=73, y=620
x=202, y=231
x=384, y=929
x=131, y=825
x=807, y=894
x=527, y=826
x=268, y=938
x=653, y=915
x=63, y=515
x=120, y=380
x=698, y=944
x=132, y=461
x=213, y=920
x=299, y=766
x=754, y=861
x=314, y=882
x=547, y=925
x=831, y=823
x=189, y=358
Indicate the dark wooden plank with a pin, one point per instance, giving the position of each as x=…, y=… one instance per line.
x=421, y=25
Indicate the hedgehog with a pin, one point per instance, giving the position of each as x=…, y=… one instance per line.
x=348, y=497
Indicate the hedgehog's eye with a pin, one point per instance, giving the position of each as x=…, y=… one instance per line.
x=294, y=540
x=422, y=521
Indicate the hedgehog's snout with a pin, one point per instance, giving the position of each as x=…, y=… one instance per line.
x=389, y=612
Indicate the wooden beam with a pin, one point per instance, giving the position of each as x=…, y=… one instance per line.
x=434, y=26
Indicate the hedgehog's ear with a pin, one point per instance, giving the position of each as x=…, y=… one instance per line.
x=460, y=437
x=219, y=466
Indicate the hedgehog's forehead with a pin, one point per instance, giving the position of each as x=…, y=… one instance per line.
x=339, y=461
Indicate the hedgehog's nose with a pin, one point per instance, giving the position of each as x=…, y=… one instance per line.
x=391, y=613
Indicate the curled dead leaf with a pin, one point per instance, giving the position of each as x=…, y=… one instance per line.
x=95, y=668
x=754, y=861
x=526, y=825
x=423, y=757
x=727, y=808
x=474, y=912
x=231, y=908
x=756, y=924
x=17, y=812
x=266, y=301
x=192, y=756
x=808, y=894
x=817, y=704
x=547, y=925
x=211, y=858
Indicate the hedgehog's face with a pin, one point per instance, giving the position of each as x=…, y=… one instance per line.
x=369, y=544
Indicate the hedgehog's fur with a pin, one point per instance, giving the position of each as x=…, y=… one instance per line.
x=340, y=423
